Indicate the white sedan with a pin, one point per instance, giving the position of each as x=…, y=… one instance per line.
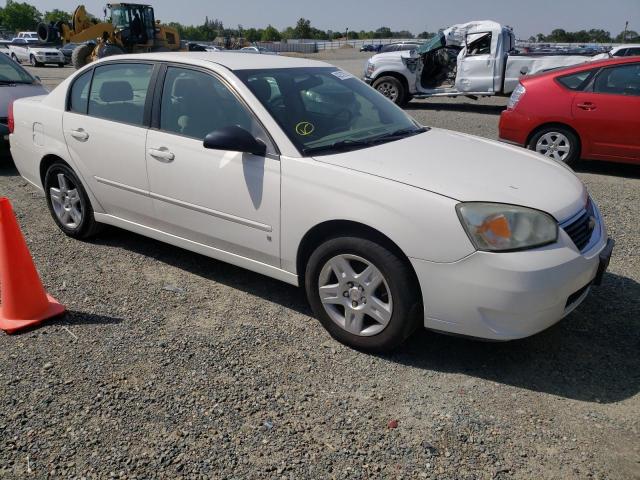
x=297, y=170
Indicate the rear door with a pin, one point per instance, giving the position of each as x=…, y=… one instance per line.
x=477, y=63
x=19, y=48
x=105, y=127
x=608, y=113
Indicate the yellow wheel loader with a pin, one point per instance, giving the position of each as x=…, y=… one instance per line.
x=132, y=29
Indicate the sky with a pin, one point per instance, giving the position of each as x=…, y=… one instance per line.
x=527, y=17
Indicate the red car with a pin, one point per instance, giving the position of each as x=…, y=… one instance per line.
x=588, y=111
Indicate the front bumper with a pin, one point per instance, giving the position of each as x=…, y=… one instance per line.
x=505, y=296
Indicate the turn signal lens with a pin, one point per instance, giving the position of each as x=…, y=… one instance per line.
x=501, y=227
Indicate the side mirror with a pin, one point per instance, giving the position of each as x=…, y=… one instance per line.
x=235, y=139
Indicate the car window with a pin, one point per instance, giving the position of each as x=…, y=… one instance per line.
x=620, y=80
x=478, y=44
x=633, y=51
x=620, y=53
x=576, y=81
x=195, y=104
x=11, y=72
x=79, y=97
x=118, y=92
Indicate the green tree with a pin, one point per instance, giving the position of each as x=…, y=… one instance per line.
x=271, y=34
x=382, y=32
x=18, y=16
x=302, y=29
x=57, y=15
x=426, y=35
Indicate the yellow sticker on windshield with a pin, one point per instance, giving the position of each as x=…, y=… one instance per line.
x=305, y=128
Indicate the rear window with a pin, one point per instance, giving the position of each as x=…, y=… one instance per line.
x=576, y=81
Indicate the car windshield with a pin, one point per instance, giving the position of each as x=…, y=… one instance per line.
x=327, y=110
x=11, y=72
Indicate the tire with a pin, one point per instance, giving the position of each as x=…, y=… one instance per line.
x=396, y=294
x=60, y=65
x=34, y=62
x=14, y=58
x=79, y=221
x=81, y=56
x=553, y=140
x=393, y=89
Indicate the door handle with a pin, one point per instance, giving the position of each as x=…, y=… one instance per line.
x=162, y=154
x=586, y=106
x=80, y=134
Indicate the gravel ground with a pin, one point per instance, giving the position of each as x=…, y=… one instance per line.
x=173, y=365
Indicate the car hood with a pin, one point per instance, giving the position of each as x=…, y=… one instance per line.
x=468, y=168
x=9, y=93
x=391, y=56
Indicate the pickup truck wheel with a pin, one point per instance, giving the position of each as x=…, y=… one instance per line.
x=34, y=62
x=68, y=202
x=392, y=88
x=557, y=143
x=363, y=293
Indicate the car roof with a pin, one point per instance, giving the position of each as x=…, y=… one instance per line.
x=607, y=62
x=230, y=60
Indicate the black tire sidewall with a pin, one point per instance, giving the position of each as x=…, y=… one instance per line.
x=87, y=225
x=573, y=157
x=402, y=93
x=402, y=285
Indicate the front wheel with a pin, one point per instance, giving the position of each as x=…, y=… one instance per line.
x=363, y=293
x=393, y=89
x=558, y=143
x=14, y=58
x=68, y=202
x=34, y=62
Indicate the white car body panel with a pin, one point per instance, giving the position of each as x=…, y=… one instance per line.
x=254, y=212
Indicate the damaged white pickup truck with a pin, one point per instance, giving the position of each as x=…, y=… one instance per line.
x=473, y=59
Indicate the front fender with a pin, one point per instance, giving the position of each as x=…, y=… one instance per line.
x=421, y=223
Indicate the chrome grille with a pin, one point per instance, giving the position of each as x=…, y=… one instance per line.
x=581, y=229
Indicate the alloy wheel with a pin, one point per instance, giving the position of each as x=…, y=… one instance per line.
x=355, y=295
x=66, y=202
x=389, y=90
x=554, y=145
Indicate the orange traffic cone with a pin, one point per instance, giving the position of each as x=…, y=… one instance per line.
x=23, y=300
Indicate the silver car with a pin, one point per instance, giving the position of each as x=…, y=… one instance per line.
x=15, y=82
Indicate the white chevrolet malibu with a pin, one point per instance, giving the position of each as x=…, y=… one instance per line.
x=297, y=170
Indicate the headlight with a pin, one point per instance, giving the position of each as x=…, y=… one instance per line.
x=370, y=69
x=516, y=95
x=498, y=227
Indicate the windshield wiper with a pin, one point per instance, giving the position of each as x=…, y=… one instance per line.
x=341, y=145
x=402, y=133
x=355, y=144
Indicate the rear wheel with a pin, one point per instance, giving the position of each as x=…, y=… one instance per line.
x=558, y=143
x=68, y=202
x=81, y=56
x=362, y=293
x=14, y=58
x=393, y=89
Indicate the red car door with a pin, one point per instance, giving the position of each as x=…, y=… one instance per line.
x=608, y=117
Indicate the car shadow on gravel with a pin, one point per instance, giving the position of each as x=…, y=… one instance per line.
x=456, y=107
x=626, y=170
x=208, y=268
x=7, y=168
x=591, y=355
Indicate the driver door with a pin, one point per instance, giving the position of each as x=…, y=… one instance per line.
x=476, y=64
x=227, y=200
